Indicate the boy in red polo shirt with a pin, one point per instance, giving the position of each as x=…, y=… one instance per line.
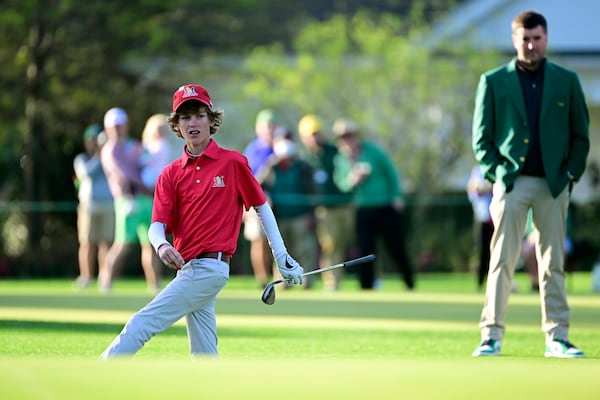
x=199, y=198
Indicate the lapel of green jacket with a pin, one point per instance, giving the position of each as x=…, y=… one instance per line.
x=551, y=81
x=513, y=86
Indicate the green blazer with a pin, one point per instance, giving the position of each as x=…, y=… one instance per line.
x=501, y=128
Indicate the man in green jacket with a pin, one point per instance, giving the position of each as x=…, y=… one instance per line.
x=530, y=136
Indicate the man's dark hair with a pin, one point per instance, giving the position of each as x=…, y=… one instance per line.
x=529, y=20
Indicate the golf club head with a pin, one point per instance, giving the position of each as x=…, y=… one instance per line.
x=268, y=296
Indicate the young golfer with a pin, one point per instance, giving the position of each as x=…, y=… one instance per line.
x=199, y=198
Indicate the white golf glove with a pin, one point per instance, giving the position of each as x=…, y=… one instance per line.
x=290, y=269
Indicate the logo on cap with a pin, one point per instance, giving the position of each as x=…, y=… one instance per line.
x=190, y=92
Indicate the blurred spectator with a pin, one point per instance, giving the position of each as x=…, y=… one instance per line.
x=258, y=153
x=583, y=194
x=288, y=183
x=528, y=256
x=369, y=171
x=335, y=211
x=528, y=252
x=596, y=278
x=585, y=197
x=95, y=211
x=479, y=191
x=121, y=157
x=586, y=190
x=157, y=149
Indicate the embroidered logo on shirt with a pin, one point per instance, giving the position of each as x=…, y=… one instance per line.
x=218, y=181
x=560, y=103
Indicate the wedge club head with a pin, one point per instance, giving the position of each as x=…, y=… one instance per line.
x=268, y=296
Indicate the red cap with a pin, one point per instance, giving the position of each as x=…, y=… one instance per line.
x=190, y=92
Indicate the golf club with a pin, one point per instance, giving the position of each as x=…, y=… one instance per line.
x=268, y=296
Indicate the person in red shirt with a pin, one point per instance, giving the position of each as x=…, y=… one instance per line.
x=199, y=198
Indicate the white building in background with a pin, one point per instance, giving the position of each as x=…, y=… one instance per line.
x=573, y=32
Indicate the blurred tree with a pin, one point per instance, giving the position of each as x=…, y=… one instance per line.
x=374, y=69
x=62, y=67
x=237, y=26
x=65, y=62
x=415, y=101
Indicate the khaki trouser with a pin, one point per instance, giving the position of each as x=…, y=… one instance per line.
x=335, y=229
x=509, y=213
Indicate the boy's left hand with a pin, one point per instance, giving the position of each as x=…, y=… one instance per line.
x=170, y=256
x=290, y=269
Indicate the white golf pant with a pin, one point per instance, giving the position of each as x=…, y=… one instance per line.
x=192, y=295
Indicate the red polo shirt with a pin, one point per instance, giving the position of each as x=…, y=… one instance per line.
x=201, y=200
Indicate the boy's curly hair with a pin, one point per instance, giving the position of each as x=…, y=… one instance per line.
x=195, y=107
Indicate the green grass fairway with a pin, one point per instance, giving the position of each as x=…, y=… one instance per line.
x=386, y=344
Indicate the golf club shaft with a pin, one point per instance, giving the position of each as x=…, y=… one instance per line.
x=268, y=296
x=359, y=260
x=348, y=263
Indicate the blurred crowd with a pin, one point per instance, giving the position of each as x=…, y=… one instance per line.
x=334, y=190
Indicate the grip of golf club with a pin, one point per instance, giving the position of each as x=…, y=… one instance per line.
x=359, y=260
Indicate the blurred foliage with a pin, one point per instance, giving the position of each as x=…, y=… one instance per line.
x=374, y=69
x=65, y=62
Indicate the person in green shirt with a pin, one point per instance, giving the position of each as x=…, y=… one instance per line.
x=369, y=172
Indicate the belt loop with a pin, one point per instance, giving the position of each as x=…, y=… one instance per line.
x=220, y=255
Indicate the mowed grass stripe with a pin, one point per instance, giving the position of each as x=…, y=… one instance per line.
x=296, y=379
x=231, y=320
x=420, y=308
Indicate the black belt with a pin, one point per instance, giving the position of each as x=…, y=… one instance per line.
x=217, y=255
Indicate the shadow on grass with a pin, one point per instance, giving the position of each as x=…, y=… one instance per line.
x=355, y=309
x=76, y=328
x=79, y=302
x=457, y=312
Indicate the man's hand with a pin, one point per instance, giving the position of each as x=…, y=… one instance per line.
x=398, y=204
x=290, y=269
x=359, y=172
x=170, y=256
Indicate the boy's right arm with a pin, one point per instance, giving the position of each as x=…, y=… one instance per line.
x=165, y=251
